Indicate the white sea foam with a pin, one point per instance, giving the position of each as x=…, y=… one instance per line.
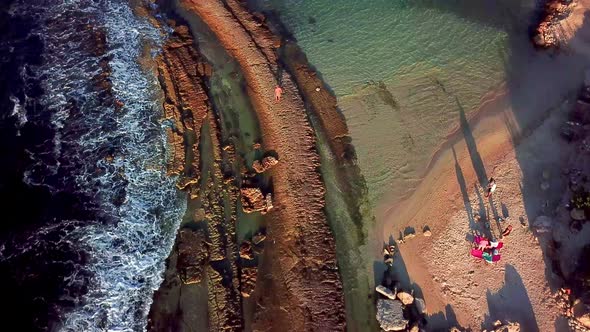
x=127, y=252
x=19, y=111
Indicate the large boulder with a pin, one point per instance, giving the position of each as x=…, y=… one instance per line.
x=406, y=298
x=385, y=292
x=192, y=255
x=253, y=200
x=263, y=165
x=390, y=315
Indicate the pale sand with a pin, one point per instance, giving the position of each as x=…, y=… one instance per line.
x=515, y=137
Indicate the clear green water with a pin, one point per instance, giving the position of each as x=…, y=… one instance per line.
x=401, y=70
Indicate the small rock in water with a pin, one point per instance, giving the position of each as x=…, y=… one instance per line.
x=317, y=89
x=259, y=237
x=545, y=185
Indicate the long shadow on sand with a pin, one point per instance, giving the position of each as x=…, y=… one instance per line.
x=536, y=82
x=476, y=159
x=475, y=227
x=511, y=303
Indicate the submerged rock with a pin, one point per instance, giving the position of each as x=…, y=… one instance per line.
x=258, y=238
x=265, y=164
x=246, y=250
x=192, y=255
x=542, y=224
x=253, y=200
x=385, y=292
x=390, y=315
x=248, y=280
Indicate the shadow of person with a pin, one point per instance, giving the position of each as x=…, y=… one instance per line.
x=476, y=159
x=511, y=303
x=464, y=192
x=444, y=320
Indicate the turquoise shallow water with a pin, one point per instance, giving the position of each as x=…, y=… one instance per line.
x=402, y=70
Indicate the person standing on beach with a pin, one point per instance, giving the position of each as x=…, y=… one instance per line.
x=278, y=93
x=491, y=187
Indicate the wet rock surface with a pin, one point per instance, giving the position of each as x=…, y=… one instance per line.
x=246, y=250
x=192, y=255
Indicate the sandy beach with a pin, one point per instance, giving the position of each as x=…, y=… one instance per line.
x=514, y=138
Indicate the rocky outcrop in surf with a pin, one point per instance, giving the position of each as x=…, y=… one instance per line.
x=185, y=105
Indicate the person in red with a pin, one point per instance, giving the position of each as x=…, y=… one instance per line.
x=278, y=93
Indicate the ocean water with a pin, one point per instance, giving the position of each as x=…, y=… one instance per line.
x=402, y=70
x=104, y=261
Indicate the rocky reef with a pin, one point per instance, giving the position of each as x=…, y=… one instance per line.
x=205, y=254
x=299, y=268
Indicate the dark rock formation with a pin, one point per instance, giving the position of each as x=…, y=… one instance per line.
x=246, y=250
x=248, y=280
